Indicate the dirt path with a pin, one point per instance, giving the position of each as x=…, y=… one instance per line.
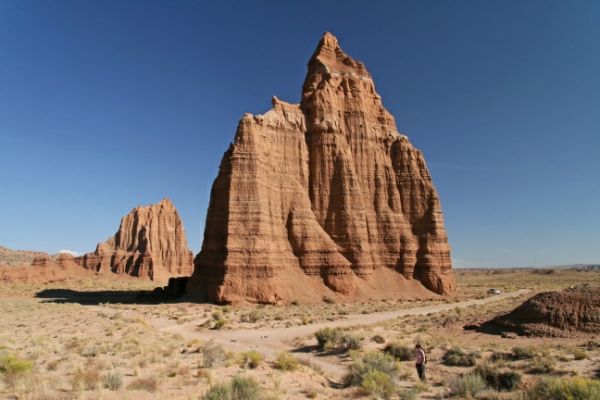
x=269, y=341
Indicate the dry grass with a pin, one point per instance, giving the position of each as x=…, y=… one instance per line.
x=109, y=351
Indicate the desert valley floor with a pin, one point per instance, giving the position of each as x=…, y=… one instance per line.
x=95, y=338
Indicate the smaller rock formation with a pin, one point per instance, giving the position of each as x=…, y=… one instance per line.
x=150, y=243
x=556, y=314
x=44, y=269
x=10, y=257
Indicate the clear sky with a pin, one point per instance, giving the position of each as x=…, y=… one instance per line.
x=105, y=105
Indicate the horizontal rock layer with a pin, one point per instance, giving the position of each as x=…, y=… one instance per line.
x=323, y=198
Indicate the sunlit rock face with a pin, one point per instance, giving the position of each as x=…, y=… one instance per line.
x=323, y=198
x=150, y=243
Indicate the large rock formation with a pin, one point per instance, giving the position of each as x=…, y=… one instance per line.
x=150, y=243
x=322, y=198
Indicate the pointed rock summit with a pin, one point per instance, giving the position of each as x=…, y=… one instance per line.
x=323, y=198
x=150, y=243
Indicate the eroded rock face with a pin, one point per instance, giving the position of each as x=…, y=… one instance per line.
x=150, y=243
x=323, y=197
x=556, y=314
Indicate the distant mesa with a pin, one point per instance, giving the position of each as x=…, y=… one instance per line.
x=150, y=243
x=323, y=198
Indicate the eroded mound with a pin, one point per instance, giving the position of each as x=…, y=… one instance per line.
x=556, y=314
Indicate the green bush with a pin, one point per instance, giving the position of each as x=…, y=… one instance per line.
x=251, y=359
x=212, y=354
x=579, y=354
x=13, y=366
x=112, y=381
x=467, y=385
x=238, y=388
x=327, y=338
x=408, y=394
x=244, y=388
x=253, y=316
x=378, y=384
x=576, y=388
x=523, y=353
x=399, y=351
x=149, y=384
x=286, y=362
x=456, y=357
x=219, y=323
x=373, y=361
x=351, y=342
x=542, y=365
x=499, y=380
x=86, y=379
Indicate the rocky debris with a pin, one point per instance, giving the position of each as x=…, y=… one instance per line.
x=556, y=314
x=323, y=198
x=150, y=243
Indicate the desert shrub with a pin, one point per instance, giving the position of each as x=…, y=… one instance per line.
x=408, y=394
x=253, y=316
x=500, y=356
x=378, y=384
x=351, y=342
x=466, y=385
x=86, y=379
x=219, y=323
x=373, y=361
x=328, y=300
x=286, y=362
x=456, y=357
x=251, y=359
x=576, y=388
x=327, y=338
x=523, y=353
x=399, y=351
x=149, y=384
x=541, y=365
x=238, y=388
x=378, y=339
x=112, y=381
x=212, y=354
x=579, y=354
x=499, y=380
x=13, y=367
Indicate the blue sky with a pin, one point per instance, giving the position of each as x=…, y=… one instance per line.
x=105, y=105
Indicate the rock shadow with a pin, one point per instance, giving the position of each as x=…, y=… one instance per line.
x=96, y=297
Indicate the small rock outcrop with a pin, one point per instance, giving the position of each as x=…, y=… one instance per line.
x=150, y=243
x=556, y=314
x=323, y=198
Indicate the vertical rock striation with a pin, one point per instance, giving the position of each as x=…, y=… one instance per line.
x=323, y=198
x=150, y=243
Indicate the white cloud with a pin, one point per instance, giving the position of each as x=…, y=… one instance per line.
x=73, y=253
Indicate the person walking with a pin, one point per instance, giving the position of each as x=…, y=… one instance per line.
x=420, y=360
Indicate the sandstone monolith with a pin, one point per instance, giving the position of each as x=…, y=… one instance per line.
x=150, y=243
x=323, y=198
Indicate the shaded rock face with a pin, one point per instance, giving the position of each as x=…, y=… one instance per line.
x=150, y=243
x=323, y=197
x=556, y=314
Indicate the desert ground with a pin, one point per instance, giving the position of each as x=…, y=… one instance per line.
x=96, y=338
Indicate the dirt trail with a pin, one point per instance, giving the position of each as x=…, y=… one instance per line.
x=269, y=341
